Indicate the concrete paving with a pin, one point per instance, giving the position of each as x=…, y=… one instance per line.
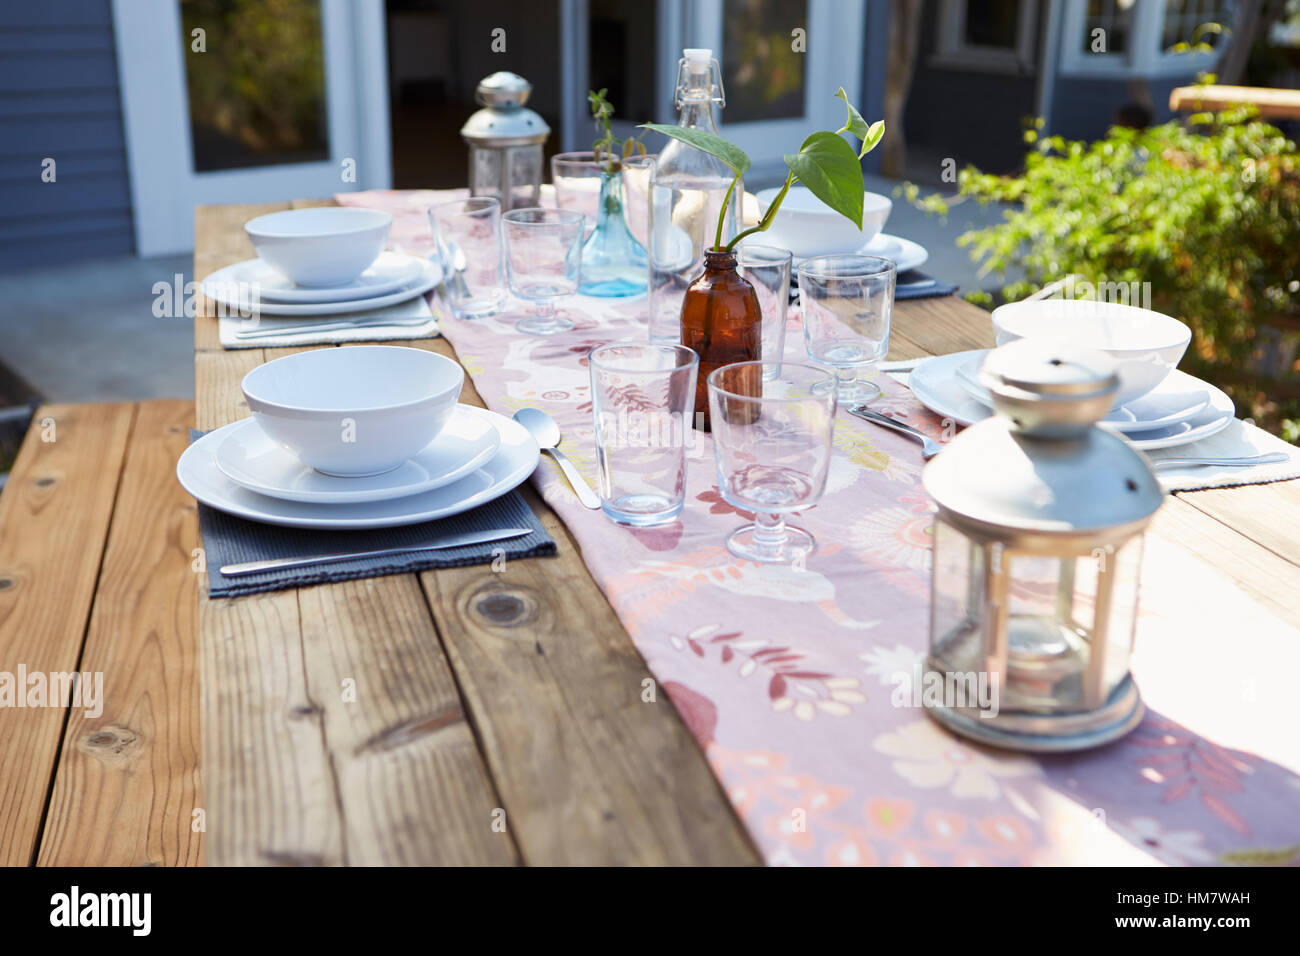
x=87, y=331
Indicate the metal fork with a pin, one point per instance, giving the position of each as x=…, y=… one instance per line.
x=929, y=447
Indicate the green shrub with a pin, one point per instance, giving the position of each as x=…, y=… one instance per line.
x=1206, y=210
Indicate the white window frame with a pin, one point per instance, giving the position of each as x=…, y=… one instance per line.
x=1145, y=57
x=151, y=76
x=954, y=52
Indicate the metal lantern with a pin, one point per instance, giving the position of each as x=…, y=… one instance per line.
x=505, y=143
x=1037, y=553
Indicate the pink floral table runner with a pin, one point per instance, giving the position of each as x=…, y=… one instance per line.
x=789, y=677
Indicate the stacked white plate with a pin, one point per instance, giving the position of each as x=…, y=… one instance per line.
x=476, y=457
x=904, y=253
x=1182, y=409
x=391, y=279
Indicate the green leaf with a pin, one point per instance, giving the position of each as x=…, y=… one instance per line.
x=855, y=123
x=874, y=135
x=713, y=144
x=827, y=165
x=869, y=134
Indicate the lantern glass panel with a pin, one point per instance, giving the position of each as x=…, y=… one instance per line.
x=1126, y=564
x=1051, y=617
x=485, y=172
x=525, y=176
x=959, y=600
x=1049, y=622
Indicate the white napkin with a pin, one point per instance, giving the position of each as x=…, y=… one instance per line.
x=1239, y=440
x=416, y=307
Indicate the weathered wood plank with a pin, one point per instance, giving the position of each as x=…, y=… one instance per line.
x=588, y=773
x=127, y=780
x=1268, y=514
x=54, y=518
x=1271, y=580
x=217, y=397
x=268, y=788
x=942, y=325
x=412, y=786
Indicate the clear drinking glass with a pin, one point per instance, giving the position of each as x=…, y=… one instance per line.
x=768, y=270
x=642, y=398
x=543, y=252
x=847, y=303
x=637, y=173
x=577, y=178
x=772, y=441
x=468, y=233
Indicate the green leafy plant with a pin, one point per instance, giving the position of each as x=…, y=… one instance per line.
x=609, y=149
x=825, y=163
x=1206, y=211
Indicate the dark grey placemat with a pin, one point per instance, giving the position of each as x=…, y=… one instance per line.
x=230, y=540
x=912, y=284
x=915, y=285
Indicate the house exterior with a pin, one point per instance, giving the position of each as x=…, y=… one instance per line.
x=983, y=68
x=120, y=115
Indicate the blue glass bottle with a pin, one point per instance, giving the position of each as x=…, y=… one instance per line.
x=614, y=264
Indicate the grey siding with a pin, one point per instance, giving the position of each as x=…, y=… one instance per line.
x=1085, y=108
x=59, y=99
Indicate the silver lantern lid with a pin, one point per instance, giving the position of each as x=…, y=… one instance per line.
x=1040, y=464
x=504, y=120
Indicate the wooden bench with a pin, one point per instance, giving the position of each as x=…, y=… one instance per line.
x=1272, y=104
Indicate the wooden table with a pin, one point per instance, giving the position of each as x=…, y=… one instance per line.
x=497, y=717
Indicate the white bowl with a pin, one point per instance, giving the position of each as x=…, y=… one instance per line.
x=319, y=248
x=1146, y=345
x=357, y=410
x=808, y=227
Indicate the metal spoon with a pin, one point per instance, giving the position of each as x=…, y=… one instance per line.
x=543, y=428
x=454, y=265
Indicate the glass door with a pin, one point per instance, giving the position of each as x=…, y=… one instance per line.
x=782, y=61
x=248, y=101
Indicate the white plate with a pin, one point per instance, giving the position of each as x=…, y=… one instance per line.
x=389, y=272
x=1172, y=401
x=238, y=298
x=936, y=385
x=905, y=253
x=515, y=460
x=249, y=457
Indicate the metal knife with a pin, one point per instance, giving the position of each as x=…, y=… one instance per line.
x=271, y=331
x=455, y=541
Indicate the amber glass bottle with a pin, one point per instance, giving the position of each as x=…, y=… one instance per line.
x=722, y=322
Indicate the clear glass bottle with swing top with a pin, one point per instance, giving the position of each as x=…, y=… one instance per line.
x=687, y=191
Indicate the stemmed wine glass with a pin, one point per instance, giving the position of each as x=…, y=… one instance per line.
x=543, y=253
x=772, y=425
x=847, y=301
